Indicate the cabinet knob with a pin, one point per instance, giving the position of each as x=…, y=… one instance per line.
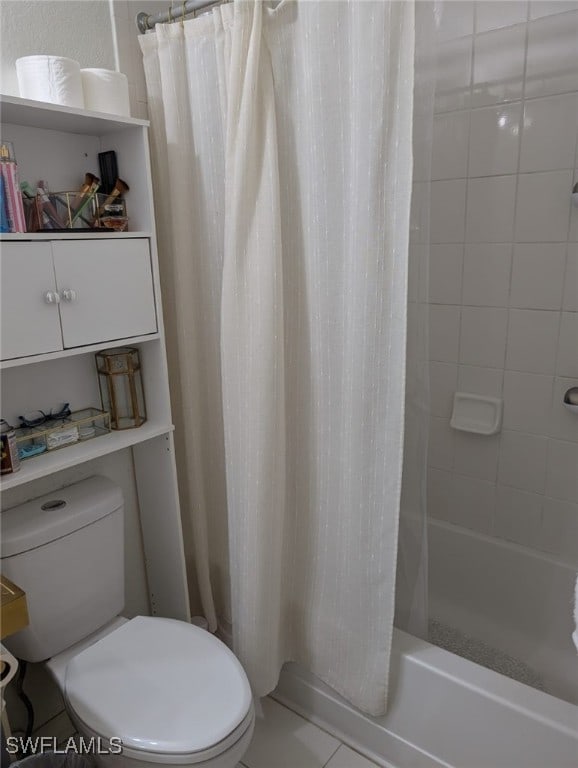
x=69, y=295
x=52, y=297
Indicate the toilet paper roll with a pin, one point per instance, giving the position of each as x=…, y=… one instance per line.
x=105, y=91
x=8, y=666
x=55, y=79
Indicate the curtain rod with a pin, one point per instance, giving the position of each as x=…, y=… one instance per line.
x=145, y=21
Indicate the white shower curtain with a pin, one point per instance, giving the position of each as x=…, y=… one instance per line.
x=282, y=165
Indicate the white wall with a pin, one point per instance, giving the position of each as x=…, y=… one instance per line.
x=78, y=29
x=504, y=268
x=129, y=57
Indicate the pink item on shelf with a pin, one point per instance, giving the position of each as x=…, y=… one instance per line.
x=9, y=171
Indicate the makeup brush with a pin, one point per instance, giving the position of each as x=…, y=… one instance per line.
x=89, y=180
x=86, y=194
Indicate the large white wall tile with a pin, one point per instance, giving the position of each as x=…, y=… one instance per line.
x=549, y=133
x=543, y=207
x=450, y=145
x=417, y=261
x=527, y=402
x=494, y=15
x=486, y=281
x=454, y=71
x=538, y=275
x=570, y=299
x=490, y=214
x=560, y=528
x=518, y=516
x=573, y=237
x=420, y=212
x=445, y=274
x=439, y=486
x=564, y=423
x=443, y=381
x=476, y=455
x=448, y=202
x=540, y=8
x=551, y=63
x=441, y=443
x=567, y=361
x=483, y=336
x=532, y=337
x=498, y=65
x=444, y=333
x=494, y=140
x=480, y=381
x=562, y=476
x=455, y=20
x=522, y=461
x=472, y=503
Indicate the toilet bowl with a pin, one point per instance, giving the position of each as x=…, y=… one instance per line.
x=121, y=682
x=143, y=691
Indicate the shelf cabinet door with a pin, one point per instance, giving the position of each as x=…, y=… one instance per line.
x=106, y=288
x=29, y=324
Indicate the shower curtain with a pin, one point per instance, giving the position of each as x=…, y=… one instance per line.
x=281, y=145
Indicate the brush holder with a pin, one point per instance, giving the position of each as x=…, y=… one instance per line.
x=72, y=211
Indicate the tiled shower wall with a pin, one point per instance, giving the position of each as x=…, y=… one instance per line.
x=503, y=287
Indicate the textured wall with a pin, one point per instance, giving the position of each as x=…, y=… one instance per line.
x=79, y=29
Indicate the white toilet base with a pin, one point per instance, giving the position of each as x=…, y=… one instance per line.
x=128, y=759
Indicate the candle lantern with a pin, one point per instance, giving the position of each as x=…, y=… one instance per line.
x=121, y=389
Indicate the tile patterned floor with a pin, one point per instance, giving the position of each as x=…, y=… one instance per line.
x=283, y=739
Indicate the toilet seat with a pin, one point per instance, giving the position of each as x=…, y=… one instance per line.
x=165, y=687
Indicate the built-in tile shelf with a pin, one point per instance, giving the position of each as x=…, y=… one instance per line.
x=64, y=458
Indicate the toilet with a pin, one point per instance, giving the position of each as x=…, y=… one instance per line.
x=171, y=692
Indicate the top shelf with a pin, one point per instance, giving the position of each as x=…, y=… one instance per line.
x=38, y=114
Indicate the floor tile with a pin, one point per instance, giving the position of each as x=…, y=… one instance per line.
x=59, y=728
x=347, y=758
x=282, y=739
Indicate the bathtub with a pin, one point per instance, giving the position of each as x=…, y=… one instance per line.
x=512, y=598
x=443, y=711
x=447, y=711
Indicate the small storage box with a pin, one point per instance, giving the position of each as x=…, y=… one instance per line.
x=79, y=426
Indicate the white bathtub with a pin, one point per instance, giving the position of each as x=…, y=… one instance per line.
x=512, y=598
x=447, y=711
x=443, y=711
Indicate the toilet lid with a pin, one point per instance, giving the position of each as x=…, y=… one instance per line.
x=160, y=685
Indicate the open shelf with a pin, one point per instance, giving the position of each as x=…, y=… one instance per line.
x=51, y=235
x=53, y=117
x=17, y=362
x=55, y=461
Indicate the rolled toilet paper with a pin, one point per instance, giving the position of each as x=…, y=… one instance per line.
x=8, y=666
x=54, y=79
x=105, y=91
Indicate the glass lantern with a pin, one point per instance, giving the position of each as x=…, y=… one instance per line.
x=121, y=389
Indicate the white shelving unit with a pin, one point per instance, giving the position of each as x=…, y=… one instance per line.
x=48, y=348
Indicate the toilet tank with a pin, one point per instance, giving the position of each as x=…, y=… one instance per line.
x=66, y=551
